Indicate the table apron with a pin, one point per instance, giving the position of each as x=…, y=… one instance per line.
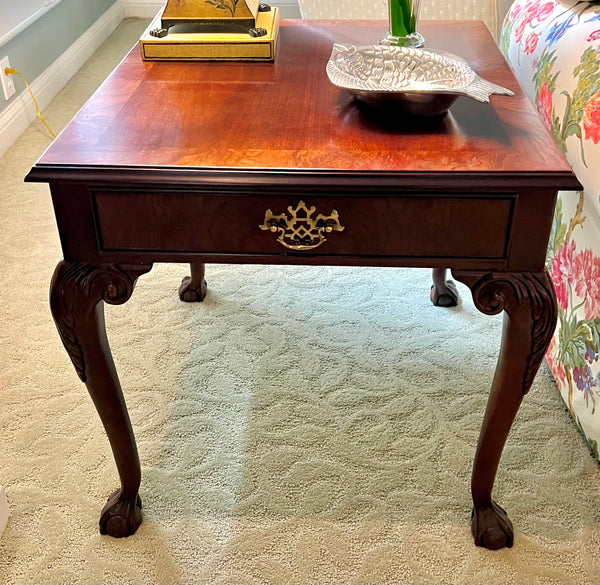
x=500, y=230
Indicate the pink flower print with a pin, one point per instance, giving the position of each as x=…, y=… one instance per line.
x=551, y=349
x=519, y=31
x=531, y=43
x=532, y=11
x=559, y=372
x=591, y=119
x=515, y=11
x=556, y=366
x=545, y=11
x=587, y=281
x=593, y=36
x=562, y=272
x=544, y=103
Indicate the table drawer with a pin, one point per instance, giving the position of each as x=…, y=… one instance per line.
x=450, y=225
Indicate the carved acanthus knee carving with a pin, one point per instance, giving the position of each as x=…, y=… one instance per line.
x=528, y=296
x=77, y=288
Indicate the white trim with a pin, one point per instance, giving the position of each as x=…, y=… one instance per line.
x=142, y=8
x=15, y=119
x=150, y=8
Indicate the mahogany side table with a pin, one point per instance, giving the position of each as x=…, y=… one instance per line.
x=270, y=163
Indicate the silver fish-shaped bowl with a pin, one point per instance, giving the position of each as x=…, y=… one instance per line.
x=415, y=81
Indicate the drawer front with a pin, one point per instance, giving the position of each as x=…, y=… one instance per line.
x=411, y=225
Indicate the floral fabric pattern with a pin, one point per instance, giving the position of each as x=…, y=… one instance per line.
x=573, y=354
x=553, y=47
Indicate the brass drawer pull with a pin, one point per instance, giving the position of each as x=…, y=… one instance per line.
x=301, y=231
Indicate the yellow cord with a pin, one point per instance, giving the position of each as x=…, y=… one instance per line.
x=9, y=71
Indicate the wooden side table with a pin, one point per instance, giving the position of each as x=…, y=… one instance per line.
x=233, y=162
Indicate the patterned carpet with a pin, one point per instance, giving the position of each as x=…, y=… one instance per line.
x=302, y=425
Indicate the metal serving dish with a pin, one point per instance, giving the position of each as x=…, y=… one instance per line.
x=414, y=81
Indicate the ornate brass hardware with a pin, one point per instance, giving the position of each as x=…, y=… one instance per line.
x=301, y=231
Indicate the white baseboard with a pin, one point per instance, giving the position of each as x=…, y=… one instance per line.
x=142, y=8
x=15, y=119
x=3, y=510
x=149, y=8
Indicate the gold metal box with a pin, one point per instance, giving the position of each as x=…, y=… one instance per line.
x=210, y=35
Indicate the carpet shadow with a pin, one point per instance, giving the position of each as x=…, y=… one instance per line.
x=323, y=398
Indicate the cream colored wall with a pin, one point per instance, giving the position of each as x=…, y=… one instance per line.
x=490, y=11
x=149, y=8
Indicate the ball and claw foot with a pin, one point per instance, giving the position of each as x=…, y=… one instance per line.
x=121, y=517
x=190, y=293
x=445, y=296
x=491, y=527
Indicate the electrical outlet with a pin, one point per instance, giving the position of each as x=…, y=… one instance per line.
x=8, y=85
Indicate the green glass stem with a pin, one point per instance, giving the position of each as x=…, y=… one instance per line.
x=403, y=19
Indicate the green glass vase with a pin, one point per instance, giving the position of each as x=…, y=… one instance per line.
x=403, y=19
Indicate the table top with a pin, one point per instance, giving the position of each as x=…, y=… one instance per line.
x=287, y=116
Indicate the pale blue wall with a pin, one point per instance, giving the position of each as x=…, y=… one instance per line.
x=39, y=45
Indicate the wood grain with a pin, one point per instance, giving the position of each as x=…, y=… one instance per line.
x=287, y=115
x=375, y=226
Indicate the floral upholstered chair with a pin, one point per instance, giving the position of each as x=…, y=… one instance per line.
x=553, y=47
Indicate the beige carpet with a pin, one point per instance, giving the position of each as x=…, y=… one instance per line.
x=302, y=425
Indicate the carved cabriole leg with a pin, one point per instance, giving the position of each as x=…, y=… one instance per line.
x=529, y=302
x=443, y=292
x=193, y=288
x=76, y=299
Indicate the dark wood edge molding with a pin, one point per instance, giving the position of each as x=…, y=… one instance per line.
x=289, y=177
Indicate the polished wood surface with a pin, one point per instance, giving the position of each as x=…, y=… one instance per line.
x=180, y=162
x=288, y=115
